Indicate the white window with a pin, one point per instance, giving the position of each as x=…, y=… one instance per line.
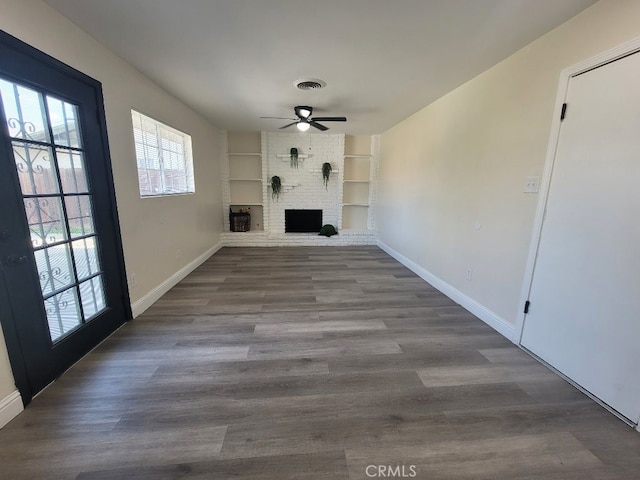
x=163, y=154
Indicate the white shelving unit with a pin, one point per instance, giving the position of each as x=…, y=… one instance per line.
x=357, y=194
x=245, y=185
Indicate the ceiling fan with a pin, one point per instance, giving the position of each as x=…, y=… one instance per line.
x=305, y=121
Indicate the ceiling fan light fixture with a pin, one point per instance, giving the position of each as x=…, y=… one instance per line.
x=304, y=112
x=303, y=126
x=305, y=119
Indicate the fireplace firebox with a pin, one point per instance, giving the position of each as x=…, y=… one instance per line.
x=302, y=221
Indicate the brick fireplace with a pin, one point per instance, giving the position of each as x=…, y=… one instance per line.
x=302, y=189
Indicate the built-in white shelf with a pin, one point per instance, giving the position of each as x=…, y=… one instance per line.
x=244, y=178
x=288, y=155
x=354, y=217
x=356, y=195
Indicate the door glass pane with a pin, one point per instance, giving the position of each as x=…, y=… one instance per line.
x=63, y=122
x=54, y=268
x=92, y=296
x=46, y=220
x=24, y=111
x=72, y=174
x=63, y=313
x=35, y=167
x=50, y=165
x=79, y=215
x=86, y=257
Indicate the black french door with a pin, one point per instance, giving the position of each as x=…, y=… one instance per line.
x=62, y=280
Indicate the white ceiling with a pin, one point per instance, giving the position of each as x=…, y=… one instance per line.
x=236, y=60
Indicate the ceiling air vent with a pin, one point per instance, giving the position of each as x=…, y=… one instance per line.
x=309, y=84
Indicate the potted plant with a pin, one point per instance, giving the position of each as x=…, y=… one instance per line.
x=326, y=172
x=276, y=187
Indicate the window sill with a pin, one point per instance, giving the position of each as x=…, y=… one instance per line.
x=162, y=195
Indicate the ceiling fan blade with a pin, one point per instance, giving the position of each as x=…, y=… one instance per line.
x=329, y=119
x=313, y=123
x=281, y=118
x=288, y=125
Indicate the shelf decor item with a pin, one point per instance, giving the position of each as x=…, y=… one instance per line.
x=328, y=230
x=276, y=187
x=240, y=221
x=326, y=172
x=293, y=156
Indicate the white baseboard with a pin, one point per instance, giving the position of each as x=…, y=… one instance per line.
x=139, y=306
x=483, y=313
x=10, y=407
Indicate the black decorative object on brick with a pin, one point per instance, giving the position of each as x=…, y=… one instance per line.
x=276, y=187
x=293, y=155
x=328, y=230
x=326, y=172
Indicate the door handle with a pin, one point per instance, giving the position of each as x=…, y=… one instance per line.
x=15, y=260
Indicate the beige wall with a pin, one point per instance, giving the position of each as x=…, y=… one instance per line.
x=153, y=229
x=462, y=162
x=7, y=385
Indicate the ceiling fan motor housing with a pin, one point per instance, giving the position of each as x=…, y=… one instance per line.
x=303, y=111
x=305, y=120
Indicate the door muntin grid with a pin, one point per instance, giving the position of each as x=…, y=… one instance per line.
x=50, y=164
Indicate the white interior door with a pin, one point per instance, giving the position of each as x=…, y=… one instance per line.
x=584, y=317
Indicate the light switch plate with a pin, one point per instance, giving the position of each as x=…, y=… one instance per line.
x=532, y=185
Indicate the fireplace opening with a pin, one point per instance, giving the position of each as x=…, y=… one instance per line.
x=302, y=221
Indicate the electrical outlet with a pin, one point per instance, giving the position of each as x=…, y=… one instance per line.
x=468, y=274
x=133, y=281
x=179, y=254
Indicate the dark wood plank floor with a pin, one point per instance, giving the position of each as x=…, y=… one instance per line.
x=312, y=363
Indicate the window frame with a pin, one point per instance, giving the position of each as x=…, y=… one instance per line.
x=164, y=135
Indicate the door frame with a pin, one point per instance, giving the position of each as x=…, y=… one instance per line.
x=14, y=349
x=609, y=56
